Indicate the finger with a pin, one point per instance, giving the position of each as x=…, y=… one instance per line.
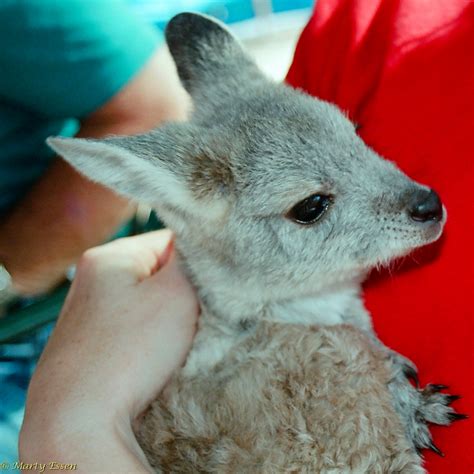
x=170, y=285
x=171, y=277
x=155, y=241
x=134, y=257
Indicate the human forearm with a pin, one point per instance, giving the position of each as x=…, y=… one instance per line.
x=64, y=214
x=88, y=445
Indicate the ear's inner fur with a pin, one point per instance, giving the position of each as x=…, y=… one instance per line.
x=170, y=168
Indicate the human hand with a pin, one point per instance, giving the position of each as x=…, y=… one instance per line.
x=127, y=324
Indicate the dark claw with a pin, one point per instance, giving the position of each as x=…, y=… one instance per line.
x=437, y=387
x=411, y=374
x=452, y=398
x=457, y=416
x=435, y=449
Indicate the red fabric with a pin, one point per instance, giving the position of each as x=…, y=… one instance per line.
x=404, y=70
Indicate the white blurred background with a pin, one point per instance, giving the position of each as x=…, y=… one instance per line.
x=268, y=28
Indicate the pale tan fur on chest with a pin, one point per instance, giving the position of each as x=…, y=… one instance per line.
x=290, y=398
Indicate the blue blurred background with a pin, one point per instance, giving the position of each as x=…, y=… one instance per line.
x=228, y=11
x=268, y=28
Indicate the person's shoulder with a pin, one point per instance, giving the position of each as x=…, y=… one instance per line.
x=54, y=7
x=53, y=47
x=71, y=20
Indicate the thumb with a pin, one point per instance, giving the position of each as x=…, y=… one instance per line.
x=173, y=285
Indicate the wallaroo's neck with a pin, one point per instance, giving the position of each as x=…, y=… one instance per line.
x=239, y=294
x=238, y=308
x=226, y=320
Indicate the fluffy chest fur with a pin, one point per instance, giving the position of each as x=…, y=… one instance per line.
x=287, y=398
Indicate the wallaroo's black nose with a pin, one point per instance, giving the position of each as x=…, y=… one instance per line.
x=425, y=206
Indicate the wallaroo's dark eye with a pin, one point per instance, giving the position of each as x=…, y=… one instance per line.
x=311, y=209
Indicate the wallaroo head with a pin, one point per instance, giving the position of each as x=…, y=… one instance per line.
x=271, y=192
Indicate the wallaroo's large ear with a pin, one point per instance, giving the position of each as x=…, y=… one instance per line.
x=206, y=53
x=120, y=167
x=157, y=168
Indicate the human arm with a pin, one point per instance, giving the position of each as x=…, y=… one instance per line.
x=64, y=213
x=125, y=327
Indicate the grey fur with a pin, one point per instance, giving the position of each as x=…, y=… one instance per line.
x=224, y=182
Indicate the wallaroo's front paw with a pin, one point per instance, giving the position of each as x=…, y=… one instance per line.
x=434, y=407
x=418, y=407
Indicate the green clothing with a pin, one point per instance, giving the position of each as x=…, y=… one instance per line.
x=60, y=60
